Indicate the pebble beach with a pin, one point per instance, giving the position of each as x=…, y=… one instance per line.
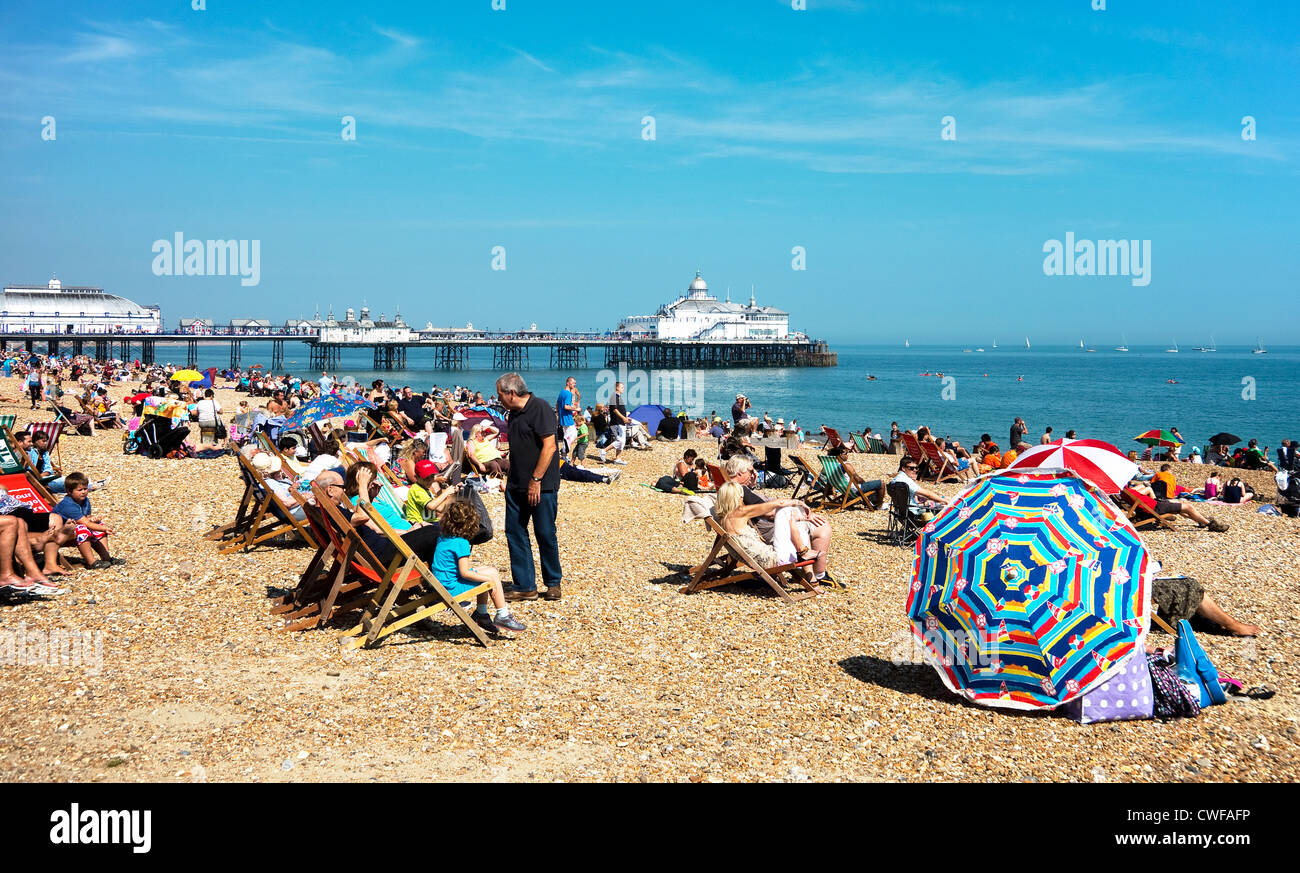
x=625, y=679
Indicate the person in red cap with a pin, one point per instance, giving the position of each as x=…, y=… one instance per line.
x=428, y=494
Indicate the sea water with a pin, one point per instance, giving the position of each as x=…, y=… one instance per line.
x=1106, y=394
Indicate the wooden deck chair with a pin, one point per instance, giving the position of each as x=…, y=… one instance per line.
x=62, y=415
x=293, y=465
x=407, y=592
x=860, y=443
x=940, y=467
x=52, y=429
x=340, y=588
x=329, y=587
x=1141, y=510
x=316, y=438
x=832, y=438
x=38, y=483
x=716, y=474
x=878, y=446
x=728, y=563
x=271, y=517
x=805, y=477
x=21, y=486
x=8, y=422
x=912, y=447
x=840, y=491
x=243, y=513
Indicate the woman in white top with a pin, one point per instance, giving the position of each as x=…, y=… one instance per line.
x=207, y=410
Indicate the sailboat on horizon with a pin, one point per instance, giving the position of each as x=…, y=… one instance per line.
x=1174, y=350
x=1260, y=350
x=1123, y=343
x=907, y=344
x=1026, y=342
x=1211, y=348
x=995, y=342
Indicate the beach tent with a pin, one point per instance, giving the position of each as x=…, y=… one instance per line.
x=1029, y=589
x=208, y=380
x=650, y=415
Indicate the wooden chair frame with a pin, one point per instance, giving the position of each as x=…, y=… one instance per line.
x=1141, y=510
x=839, y=482
x=389, y=611
x=806, y=476
x=269, y=519
x=912, y=446
x=940, y=467
x=728, y=563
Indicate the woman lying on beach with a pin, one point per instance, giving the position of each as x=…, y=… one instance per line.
x=787, y=537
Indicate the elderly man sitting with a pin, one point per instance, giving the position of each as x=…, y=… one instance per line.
x=740, y=469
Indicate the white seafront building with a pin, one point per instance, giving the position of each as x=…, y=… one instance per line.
x=364, y=329
x=700, y=316
x=58, y=308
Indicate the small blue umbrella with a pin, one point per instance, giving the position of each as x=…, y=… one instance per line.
x=328, y=406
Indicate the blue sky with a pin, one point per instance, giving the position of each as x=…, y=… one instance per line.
x=775, y=128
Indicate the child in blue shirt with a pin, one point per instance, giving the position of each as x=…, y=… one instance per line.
x=91, y=531
x=451, y=567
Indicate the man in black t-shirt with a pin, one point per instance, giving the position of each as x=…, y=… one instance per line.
x=412, y=406
x=531, y=489
x=618, y=422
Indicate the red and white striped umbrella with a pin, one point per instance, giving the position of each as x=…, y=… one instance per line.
x=1097, y=461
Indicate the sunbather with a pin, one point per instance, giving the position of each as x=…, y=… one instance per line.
x=1178, y=507
x=1180, y=598
x=788, y=539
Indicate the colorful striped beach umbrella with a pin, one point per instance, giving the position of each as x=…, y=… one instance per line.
x=1099, y=462
x=1027, y=589
x=328, y=406
x=1157, y=437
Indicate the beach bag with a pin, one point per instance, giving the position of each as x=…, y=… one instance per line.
x=1195, y=669
x=221, y=432
x=1170, y=697
x=1125, y=695
x=471, y=496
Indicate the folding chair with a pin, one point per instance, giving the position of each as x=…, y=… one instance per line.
x=1141, y=510
x=12, y=454
x=940, y=467
x=841, y=493
x=329, y=587
x=903, y=528
x=293, y=465
x=68, y=419
x=728, y=563
x=806, y=476
x=832, y=438
x=248, y=504
x=878, y=446
x=860, y=443
x=406, y=592
x=715, y=473
x=53, y=430
x=8, y=421
x=271, y=518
